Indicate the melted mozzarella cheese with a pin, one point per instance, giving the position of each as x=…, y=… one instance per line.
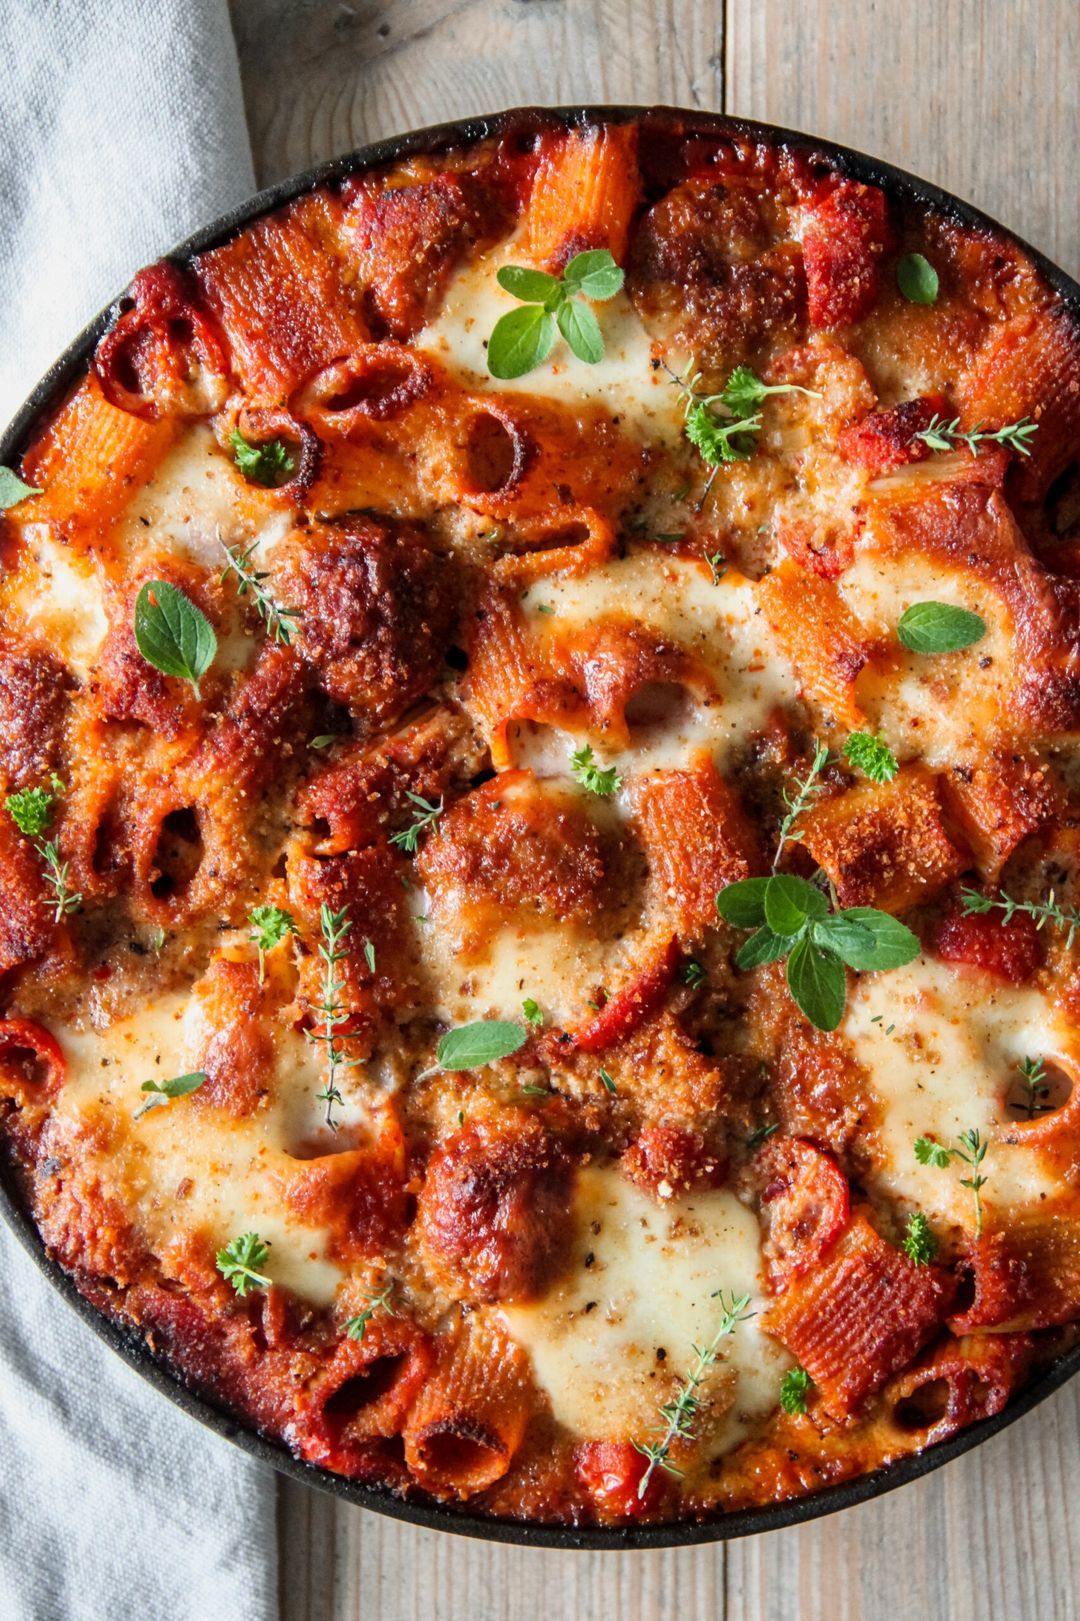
x=554, y=963
x=625, y=381
x=941, y=1050
x=181, y=1169
x=614, y=1337
x=717, y=624
x=57, y=594
x=946, y=707
x=193, y=495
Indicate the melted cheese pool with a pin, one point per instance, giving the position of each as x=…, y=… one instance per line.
x=614, y=1339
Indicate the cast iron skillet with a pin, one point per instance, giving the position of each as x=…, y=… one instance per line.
x=128, y=1343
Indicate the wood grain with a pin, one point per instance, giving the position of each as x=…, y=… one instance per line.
x=984, y=97
x=979, y=96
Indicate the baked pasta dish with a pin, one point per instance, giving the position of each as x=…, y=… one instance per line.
x=539, y=704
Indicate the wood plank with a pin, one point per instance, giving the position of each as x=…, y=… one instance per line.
x=321, y=78
x=991, y=1533
x=982, y=98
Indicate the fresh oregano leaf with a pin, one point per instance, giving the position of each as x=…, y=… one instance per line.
x=789, y=901
x=917, y=279
x=521, y=340
x=530, y=286
x=894, y=945
x=173, y=634
x=594, y=274
x=581, y=329
x=763, y=946
x=13, y=490
x=743, y=903
x=817, y=981
x=471, y=1046
x=939, y=627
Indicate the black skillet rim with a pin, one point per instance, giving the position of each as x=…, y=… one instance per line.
x=128, y=1343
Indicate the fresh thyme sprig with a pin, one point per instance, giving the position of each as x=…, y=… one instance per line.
x=279, y=622
x=1036, y=1088
x=31, y=809
x=356, y=1327
x=335, y=926
x=942, y=435
x=1047, y=911
x=63, y=899
x=679, y=1414
x=426, y=815
x=798, y=802
x=970, y=1149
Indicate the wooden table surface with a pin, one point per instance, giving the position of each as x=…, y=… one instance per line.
x=982, y=96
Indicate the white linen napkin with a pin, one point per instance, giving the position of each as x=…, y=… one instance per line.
x=121, y=130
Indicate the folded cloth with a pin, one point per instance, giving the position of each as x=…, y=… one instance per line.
x=121, y=130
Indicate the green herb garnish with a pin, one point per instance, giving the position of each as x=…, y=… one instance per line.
x=939, y=627
x=793, y=1390
x=356, y=1327
x=971, y=1151
x=178, y=1087
x=269, y=926
x=471, y=1046
x=920, y=1244
x=791, y=919
x=872, y=756
x=269, y=464
x=426, y=815
x=522, y=339
x=13, y=490
x=917, y=279
x=279, y=621
x=334, y=927
x=679, y=1414
x=238, y=1261
x=942, y=435
x=1047, y=911
x=173, y=634
x=596, y=779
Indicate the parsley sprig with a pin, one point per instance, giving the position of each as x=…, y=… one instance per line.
x=920, y=1243
x=239, y=1261
x=591, y=775
x=794, y=1388
x=269, y=464
x=724, y=427
x=356, y=1327
x=970, y=1149
x=1047, y=911
x=269, y=927
x=942, y=435
x=334, y=926
x=522, y=339
x=425, y=816
x=872, y=756
x=791, y=919
x=279, y=622
x=679, y=1415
